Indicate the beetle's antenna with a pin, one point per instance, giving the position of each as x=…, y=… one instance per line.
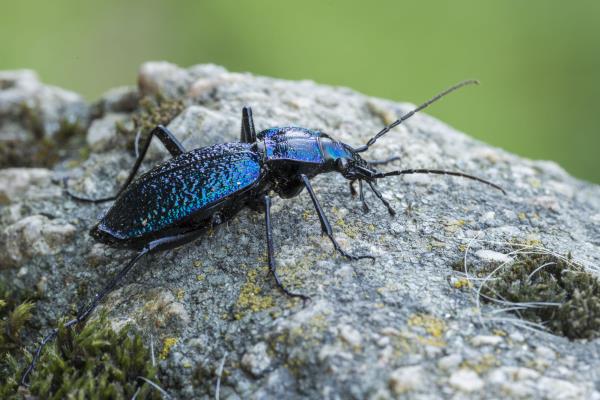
x=438, y=172
x=410, y=114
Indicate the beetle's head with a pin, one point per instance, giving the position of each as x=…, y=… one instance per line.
x=342, y=158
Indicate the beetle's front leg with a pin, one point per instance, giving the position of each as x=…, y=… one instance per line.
x=270, y=252
x=325, y=225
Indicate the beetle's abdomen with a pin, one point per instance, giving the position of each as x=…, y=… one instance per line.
x=180, y=188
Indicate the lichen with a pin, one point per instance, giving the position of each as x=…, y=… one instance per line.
x=433, y=326
x=481, y=364
x=250, y=298
x=168, y=344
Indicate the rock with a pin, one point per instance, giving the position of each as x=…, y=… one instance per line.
x=489, y=255
x=18, y=184
x=486, y=340
x=407, y=379
x=560, y=389
x=366, y=321
x=36, y=120
x=170, y=80
x=33, y=236
x=450, y=362
x=466, y=380
x=351, y=336
x=103, y=131
x=122, y=99
x=256, y=360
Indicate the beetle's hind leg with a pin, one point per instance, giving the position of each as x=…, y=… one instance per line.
x=248, y=134
x=325, y=225
x=154, y=246
x=270, y=252
x=173, y=146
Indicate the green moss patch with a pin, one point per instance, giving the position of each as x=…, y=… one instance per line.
x=553, y=290
x=94, y=362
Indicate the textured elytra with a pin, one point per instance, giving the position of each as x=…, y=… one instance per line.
x=179, y=188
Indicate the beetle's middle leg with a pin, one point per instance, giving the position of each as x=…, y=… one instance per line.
x=325, y=225
x=174, y=147
x=272, y=266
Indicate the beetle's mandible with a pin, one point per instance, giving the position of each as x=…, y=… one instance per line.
x=176, y=201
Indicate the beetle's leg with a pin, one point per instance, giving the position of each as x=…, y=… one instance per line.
x=168, y=140
x=353, y=191
x=325, y=225
x=380, y=196
x=362, y=196
x=248, y=134
x=271, y=256
x=157, y=245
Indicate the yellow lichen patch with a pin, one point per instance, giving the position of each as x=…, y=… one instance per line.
x=481, y=365
x=250, y=298
x=306, y=215
x=432, y=325
x=350, y=230
x=168, y=344
x=453, y=226
x=200, y=277
x=431, y=341
x=535, y=183
x=180, y=294
x=522, y=216
x=462, y=283
x=435, y=244
x=198, y=264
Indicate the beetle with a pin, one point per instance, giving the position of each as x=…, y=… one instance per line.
x=176, y=201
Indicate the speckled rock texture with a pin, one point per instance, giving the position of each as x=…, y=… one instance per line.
x=404, y=326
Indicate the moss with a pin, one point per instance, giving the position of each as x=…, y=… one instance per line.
x=94, y=362
x=16, y=307
x=152, y=111
x=548, y=278
x=39, y=148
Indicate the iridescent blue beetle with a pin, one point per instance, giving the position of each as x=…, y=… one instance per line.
x=176, y=201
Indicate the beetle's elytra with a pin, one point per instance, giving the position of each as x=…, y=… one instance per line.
x=174, y=202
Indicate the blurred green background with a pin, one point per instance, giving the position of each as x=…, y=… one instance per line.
x=539, y=61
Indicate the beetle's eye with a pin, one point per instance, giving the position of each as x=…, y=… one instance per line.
x=341, y=164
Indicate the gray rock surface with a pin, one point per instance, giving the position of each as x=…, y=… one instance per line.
x=397, y=327
x=36, y=120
